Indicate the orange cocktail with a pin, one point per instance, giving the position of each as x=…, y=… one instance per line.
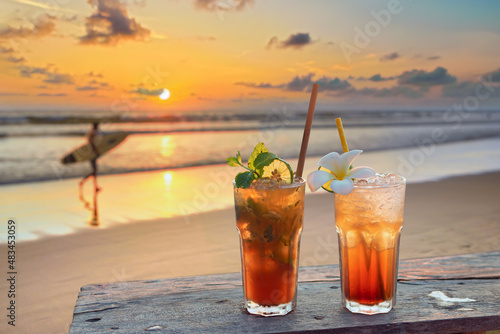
x=369, y=222
x=269, y=218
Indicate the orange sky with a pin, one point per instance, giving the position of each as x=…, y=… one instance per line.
x=245, y=55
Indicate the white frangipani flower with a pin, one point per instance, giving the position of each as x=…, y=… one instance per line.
x=339, y=175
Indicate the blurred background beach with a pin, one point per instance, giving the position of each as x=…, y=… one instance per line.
x=192, y=82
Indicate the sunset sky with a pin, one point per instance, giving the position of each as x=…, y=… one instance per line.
x=247, y=55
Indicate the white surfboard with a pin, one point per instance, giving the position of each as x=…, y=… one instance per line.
x=103, y=144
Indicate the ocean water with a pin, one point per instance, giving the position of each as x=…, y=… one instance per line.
x=52, y=208
x=31, y=144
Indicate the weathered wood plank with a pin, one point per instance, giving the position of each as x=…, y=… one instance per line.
x=221, y=311
x=214, y=303
x=481, y=265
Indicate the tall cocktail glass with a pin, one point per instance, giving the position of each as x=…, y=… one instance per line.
x=368, y=223
x=269, y=218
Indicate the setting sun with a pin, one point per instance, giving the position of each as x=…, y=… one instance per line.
x=165, y=94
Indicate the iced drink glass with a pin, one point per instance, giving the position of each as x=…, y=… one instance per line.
x=368, y=223
x=269, y=219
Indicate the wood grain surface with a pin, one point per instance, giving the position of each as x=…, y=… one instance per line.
x=214, y=303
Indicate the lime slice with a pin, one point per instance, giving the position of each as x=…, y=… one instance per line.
x=279, y=170
x=327, y=186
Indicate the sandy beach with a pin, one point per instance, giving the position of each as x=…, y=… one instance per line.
x=452, y=216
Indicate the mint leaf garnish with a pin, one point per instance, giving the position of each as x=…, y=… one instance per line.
x=235, y=161
x=259, y=160
x=232, y=162
x=244, y=179
x=264, y=159
x=259, y=148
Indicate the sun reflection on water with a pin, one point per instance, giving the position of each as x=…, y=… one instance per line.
x=167, y=177
x=167, y=146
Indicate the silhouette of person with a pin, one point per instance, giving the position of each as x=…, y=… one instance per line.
x=92, y=139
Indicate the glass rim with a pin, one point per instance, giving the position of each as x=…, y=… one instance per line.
x=297, y=182
x=401, y=181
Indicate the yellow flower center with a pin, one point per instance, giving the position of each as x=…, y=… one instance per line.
x=339, y=176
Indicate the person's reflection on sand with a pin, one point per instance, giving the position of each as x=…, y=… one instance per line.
x=92, y=139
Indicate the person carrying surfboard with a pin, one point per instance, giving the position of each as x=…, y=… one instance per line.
x=92, y=139
x=97, y=145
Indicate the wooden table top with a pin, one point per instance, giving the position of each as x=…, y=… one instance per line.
x=214, y=303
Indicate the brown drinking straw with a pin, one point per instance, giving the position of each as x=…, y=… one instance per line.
x=307, y=131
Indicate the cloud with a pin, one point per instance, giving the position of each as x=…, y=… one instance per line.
x=389, y=56
x=86, y=88
x=58, y=78
x=433, y=57
x=50, y=76
x=11, y=94
x=460, y=89
x=259, y=85
x=329, y=84
x=297, y=41
x=470, y=88
x=13, y=59
x=395, y=91
x=303, y=83
x=378, y=77
x=28, y=71
x=298, y=84
x=294, y=41
x=41, y=28
x=439, y=76
x=493, y=76
x=420, y=79
x=4, y=50
x=43, y=6
x=338, y=87
x=94, y=75
x=56, y=95
x=222, y=5
x=95, y=82
x=144, y=91
x=272, y=42
x=110, y=24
